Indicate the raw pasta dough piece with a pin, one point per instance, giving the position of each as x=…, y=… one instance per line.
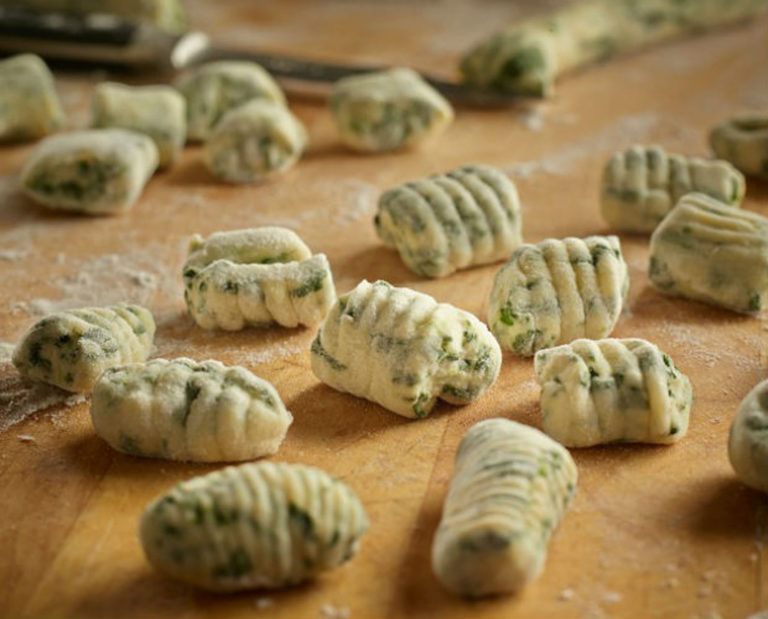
x=188, y=410
x=711, y=252
x=71, y=349
x=256, y=277
x=529, y=55
x=214, y=88
x=743, y=140
x=642, y=184
x=168, y=15
x=94, y=172
x=157, y=111
x=510, y=489
x=403, y=350
x=254, y=141
x=387, y=110
x=29, y=105
x=451, y=221
x=251, y=526
x=748, y=441
x=612, y=391
x=556, y=291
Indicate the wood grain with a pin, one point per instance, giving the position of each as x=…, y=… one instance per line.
x=662, y=532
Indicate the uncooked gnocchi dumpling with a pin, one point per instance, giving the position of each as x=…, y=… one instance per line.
x=387, y=110
x=254, y=141
x=711, y=252
x=528, y=56
x=612, y=390
x=95, y=172
x=451, y=221
x=29, y=105
x=642, y=184
x=156, y=111
x=510, y=489
x=403, y=350
x=188, y=410
x=556, y=291
x=168, y=15
x=256, y=277
x=748, y=441
x=743, y=140
x=213, y=89
x=253, y=526
x=70, y=349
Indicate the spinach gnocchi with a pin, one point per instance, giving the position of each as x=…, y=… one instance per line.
x=256, y=277
x=748, y=441
x=254, y=141
x=556, y=291
x=743, y=140
x=157, y=111
x=529, y=55
x=252, y=526
x=510, y=489
x=213, y=89
x=642, y=184
x=403, y=350
x=99, y=171
x=612, y=391
x=466, y=217
x=70, y=349
x=388, y=110
x=29, y=105
x=711, y=252
x=188, y=410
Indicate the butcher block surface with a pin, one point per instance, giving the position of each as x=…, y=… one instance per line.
x=654, y=531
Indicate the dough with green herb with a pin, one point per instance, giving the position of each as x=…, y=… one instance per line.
x=714, y=253
x=29, y=105
x=156, y=111
x=71, y=349
x=404, y=350
x=556, y=291
x=466, y=217
x=748, y=441
x=253, y=526
x=256, y=277
x=743, y=140
x=612, y=390
x=188, y=410
x=510, y=489
x=642, y=184
x=388, y=110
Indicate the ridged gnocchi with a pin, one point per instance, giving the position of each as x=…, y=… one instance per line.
x=188, y=410
x=642, y=184
x=156, y=111
x=98, y=171
x=748, y=440
x=256, y=277
x=466, y=217
x=29, y=105
x=403, y=350
x=388, y=110
x=711, y=252
x=510, y=489
x=254, y=141
x=556, y=291
x=214, y=88
x=261, y=525
x=743, y=140
x=70, y=349
x=612, y=390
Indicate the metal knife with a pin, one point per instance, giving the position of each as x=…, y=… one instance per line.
x=101, y=39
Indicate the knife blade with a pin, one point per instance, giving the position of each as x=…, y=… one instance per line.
x=102, y=39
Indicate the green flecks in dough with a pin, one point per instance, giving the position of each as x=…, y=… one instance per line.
x=418, y=407
x=301, y=520
x=130, y=445
x=317, y=349
x=755, y=303
x=507, y=316
x=238, y=565
x=461, y=393
x=488, y=541
x=314, y=283
x=524, y=341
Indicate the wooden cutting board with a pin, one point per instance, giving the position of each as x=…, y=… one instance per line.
x=653, y=531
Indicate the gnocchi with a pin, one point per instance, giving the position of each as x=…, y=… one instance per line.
x=748, y=440
x=743, y=140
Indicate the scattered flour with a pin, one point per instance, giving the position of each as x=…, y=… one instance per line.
x=263, y=603
x=26, y=438
x=13, y=255
x=565, y=595
x=532, y=119
x=329, y=611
